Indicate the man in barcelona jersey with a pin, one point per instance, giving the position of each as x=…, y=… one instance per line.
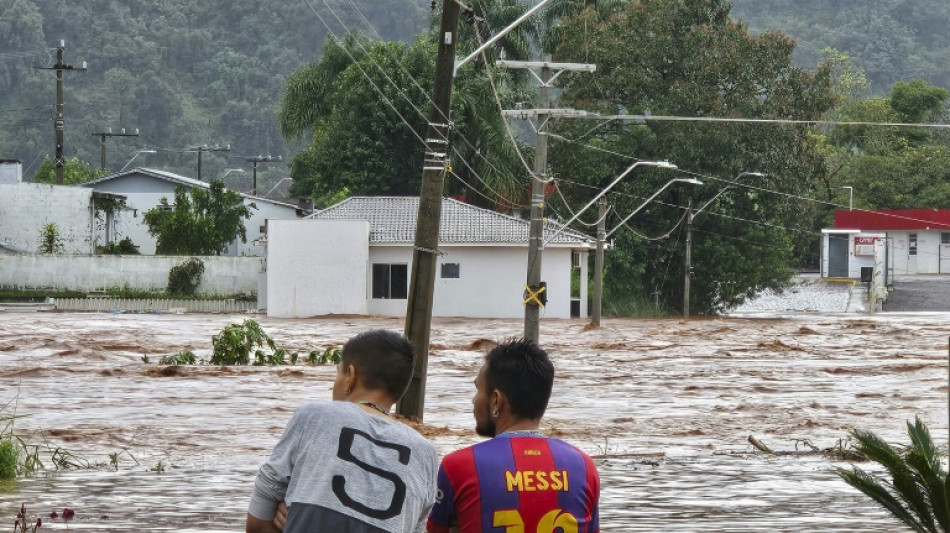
x=519, y=480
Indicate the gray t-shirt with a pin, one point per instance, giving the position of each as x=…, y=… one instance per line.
x=341, y=469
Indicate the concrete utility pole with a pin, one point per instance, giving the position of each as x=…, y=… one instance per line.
x=254, y=161
x=688, y=266
x=103, y=135
x=60, y=67
x=599, y=260
x=534, y=288
x=425, y=252
x=206, y=148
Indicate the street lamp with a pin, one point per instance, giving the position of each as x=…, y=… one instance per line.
x=660, y=164
x=602, y=237
x=228, y=171
x=850, y=196
x=690, y=215
x=136, y=155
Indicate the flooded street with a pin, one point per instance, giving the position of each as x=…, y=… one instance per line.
x=665, y=405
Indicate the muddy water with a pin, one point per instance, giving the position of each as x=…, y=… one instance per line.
x=666, y=405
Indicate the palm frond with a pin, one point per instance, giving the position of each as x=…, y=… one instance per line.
x=877, y=491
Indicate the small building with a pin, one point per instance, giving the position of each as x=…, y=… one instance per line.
x=144, y=188
x=356, y=258
x=917, y=241
x=78, y=220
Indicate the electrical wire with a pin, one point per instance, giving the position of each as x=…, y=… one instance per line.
x=428, y=98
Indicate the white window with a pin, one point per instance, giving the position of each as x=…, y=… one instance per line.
x=912, y=244
x=390, y=282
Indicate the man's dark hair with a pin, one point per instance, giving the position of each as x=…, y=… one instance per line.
x=383, y=358
x=522, y=370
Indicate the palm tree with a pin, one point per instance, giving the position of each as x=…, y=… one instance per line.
x=917, y=493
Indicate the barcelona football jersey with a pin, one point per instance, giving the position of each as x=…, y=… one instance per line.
x=517, y=483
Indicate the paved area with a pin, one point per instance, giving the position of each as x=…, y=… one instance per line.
x=808, y=294
x=919, y=293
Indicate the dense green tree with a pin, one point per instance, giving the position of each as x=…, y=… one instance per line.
x=364, y=121
x=675, y=57
x=201, y=221
x=74, y=171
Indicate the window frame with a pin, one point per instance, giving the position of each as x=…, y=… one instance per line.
x=383, y=284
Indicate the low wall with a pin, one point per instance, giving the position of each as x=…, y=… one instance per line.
x=151, y=305
x=223, y=275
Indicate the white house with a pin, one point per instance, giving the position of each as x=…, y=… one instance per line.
x=143, y=189
x=356, y=258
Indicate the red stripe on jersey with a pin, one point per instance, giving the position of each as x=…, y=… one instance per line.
x=534, y=462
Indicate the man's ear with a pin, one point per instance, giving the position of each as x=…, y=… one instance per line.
x=498, y=401
x=351, y=376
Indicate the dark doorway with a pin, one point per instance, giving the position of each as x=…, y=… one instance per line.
x=837, y=256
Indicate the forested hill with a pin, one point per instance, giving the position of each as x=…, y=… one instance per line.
x=185, y=72
x=892, y=40
x=210, y=72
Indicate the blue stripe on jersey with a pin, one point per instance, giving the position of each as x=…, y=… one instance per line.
x=566, y=457
x=494, y=457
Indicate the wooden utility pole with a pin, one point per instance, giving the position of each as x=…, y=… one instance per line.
x=103, y=135
x=205, y=148
x=60, y=67
x=599, y=260
x=534, y=290
x=254, y=161
x=425, y=252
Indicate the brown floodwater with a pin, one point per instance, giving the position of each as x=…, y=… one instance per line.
x=666, y=407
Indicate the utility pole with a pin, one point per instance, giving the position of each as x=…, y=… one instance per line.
x=254, y=161
x=60, y=67
x=425, y=251
x=103, y=135
x=206, y=148
x=534, y=288
x=599, y=259
x=532, y=309
x=688, y=269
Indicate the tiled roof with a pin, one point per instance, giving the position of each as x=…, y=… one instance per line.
x=175, y=178
x=393, y=220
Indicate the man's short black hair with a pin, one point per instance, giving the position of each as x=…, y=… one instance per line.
x=383, y=358
x=522, y=370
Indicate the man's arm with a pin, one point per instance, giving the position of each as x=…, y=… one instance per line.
x=256, y=525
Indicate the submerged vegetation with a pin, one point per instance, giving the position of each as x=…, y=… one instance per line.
x=246, y=343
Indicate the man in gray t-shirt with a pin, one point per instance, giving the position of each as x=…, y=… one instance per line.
x=345, y=466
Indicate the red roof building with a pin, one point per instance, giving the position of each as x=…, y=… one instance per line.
x=893, y=219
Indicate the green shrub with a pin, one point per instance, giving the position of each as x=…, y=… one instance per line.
x=185, y=278
x=236, y=342
x=123, y=247
x=331, y=355
x=8, y=458
x=51, y=242
x=130, y=293
x=184, y=357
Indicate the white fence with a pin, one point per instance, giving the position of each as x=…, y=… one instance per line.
x=154, y=305
x=223, y=275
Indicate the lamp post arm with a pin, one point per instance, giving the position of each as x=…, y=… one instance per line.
x=639, y=208
x=664, y=164
x=499, y=35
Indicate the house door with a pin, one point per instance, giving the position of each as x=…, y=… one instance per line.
x=912, y=254
x=944, y=252
x=837, y=256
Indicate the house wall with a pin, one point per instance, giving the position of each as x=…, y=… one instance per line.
x=315, y=267
x=223, y=275
x=928, y=258
x=490, y=283
x=145, y=192
x=855, y=262
x=25, y=208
